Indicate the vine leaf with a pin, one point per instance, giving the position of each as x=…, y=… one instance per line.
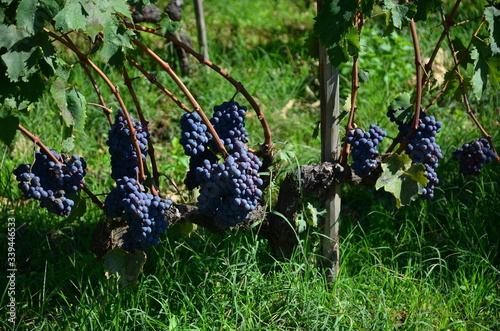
x=8, y=127
x=127, y=266
x=484, y=65
x=71, y=17
x=400, y=15
x=74, y=112
x=402, y=179
x=334, y=26
x=402, y=106
x=492, y=17
x=26, y=15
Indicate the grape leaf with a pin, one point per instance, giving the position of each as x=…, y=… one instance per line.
x=67, y=145
x=334, y=20
x=26, y=15
x=400, y=15
x=492, y=17
x=58, y=87
x=402, y=179
x=167, y=25
x=71, y=17
x=425, y=7
x=74, y=113
x=402, y=107
x=8, y=127
x=127, y=266
x=367, y=7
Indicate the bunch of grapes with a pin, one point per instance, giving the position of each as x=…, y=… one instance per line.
x=194, y=135
x=51, y=182
x=472, y=156
x=124, y=161
x=143, y=212
x=228, y=121
x=423, y=148
x=364, y=149
x=230, y=190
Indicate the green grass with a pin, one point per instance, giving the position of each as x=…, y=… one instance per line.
x=433, y=265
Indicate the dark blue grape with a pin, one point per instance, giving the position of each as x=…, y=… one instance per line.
x=228, y=121
x=194, y=135
x=52, y=183
x=364, y=149
x=124, y=161
x=423, y=148
x=229, y=191
x=473, y=156
x=143, y=212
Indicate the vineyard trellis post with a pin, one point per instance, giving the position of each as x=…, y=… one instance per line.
x=330, y=152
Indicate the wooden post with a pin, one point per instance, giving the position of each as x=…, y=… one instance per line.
x=330, y=152
x=202, y=31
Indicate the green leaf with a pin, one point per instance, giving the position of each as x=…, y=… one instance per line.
x=334, y=20
x=400, y=15
x=402, y=179
x=8, y=127
x=426, y=7
x=26, y=15
x=67, y=145
x=402, y=107
x=367, y=7
x=74, y=114
x=71, y=17
x=187, y=228
x=58, y=87
x=352, y=41
x=127, y=266
x=337, y=55
x=492, y=17
x=167, y=25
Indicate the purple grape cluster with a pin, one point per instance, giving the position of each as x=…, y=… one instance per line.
x=194, y=134
x=472, y=156
x=143, y=212
x=423, y=148
x=124, y=161
x=229, y=122
x=364, y=149
x=230, y=190
x=50, y=182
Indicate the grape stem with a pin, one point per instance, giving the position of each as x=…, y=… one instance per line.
x=66, y=41
x=446, y=24
x=106, y=110
x=463, y=90
x=47, y=152
x=166, y=67
x=354, y=89
x=152, y=79
x=267, y=146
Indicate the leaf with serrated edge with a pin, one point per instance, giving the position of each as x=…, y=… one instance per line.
x=25, y=16
x=402, y=179
x=492, y=17
x=127, y=266
x=75, y=112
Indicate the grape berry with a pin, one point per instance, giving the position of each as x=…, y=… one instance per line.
x=364, y=149
x=52, y=183
x=229, y=190
x=124, y=160
x=473, y=156
x=422, y=148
